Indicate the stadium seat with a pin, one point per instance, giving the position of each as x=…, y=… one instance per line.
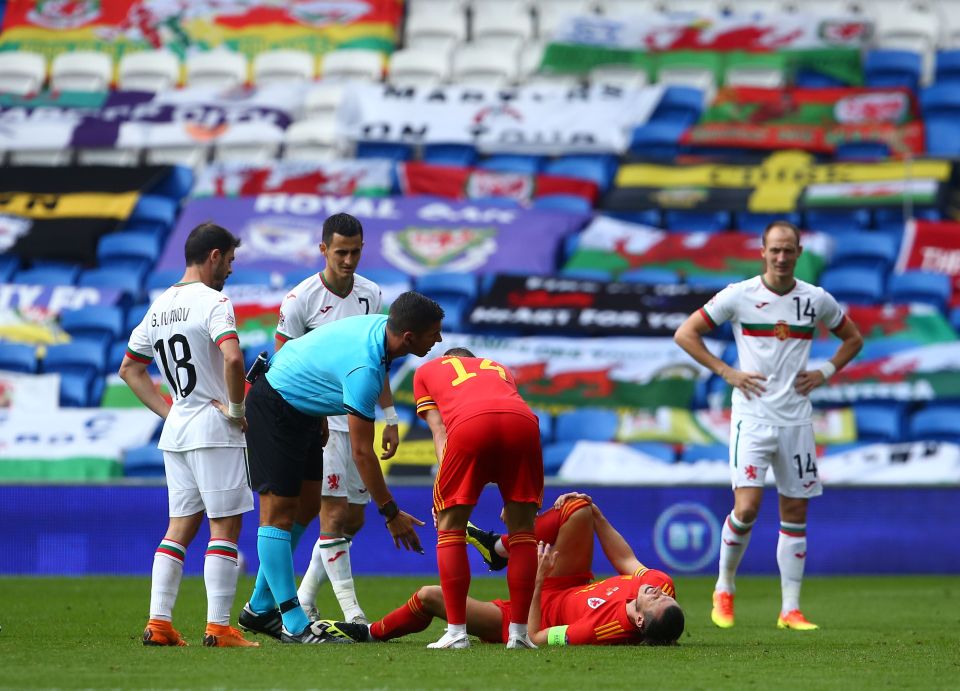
x=837, y=221
x=935, y=424
x=75, y=389
x=593, y=424
x=955, y=319
x=696, y=221
x=94, y=322
x=190, y=156
x=477, y=65
x=862, y=151
x=854, y=284
x=176, y=184
x=878, y=423
x=322, y=100
x=18, y=357
x=244, y=276
x=621, y=76
x=555, y=454
x=823, y=348
x=132, y=249
x=546, y=426
x=531, y=55
x=450, y=154
x=296, y=276
x=220, y=69
x=940, y=105
x=657, y=141
x=386, y=276
x=9, y=263
x=110, y=156
x=249, y=142
x=658, y=450
x=865, y=248
x=550, y=15
x=162, y=279
x=61, y=156
x=914, y=27
x=390, y=150
x=134, y=316
x=81, y=70
x=597, y=168
x=921, y=286
x=679, y=105
x=447, y=283
x=764, y=70
x=513, y=163
x=48, y=276
x=154, y=212
x=947, y=70
x=503, y=202
x=312, y=140
x=126, y=279
x=563, y=202
x=352, y=65
x=148, y=70
x=887, y=68
x=701, y=70
x=587, y=274
x=705, y=452
x=756, y=222
x=143, y=461
x=283, y=66
x=504, y=25
x=647, y=217
x=22, y=72
x=651, y=276
x=80, y=356
x=456, y=310
x=417, y=67
x=891, y=220
x=437, y=29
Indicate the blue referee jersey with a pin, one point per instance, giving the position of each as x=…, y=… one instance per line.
x=335, y=369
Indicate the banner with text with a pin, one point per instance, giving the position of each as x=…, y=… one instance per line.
x=535, y=120
x=281, y=232
x=38, y=393
x=932, y=246
x=910, y=324
x=367, y=177
x=30, y=313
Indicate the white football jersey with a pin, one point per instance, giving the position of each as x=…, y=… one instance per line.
x=183, y=329
x=773, y=334
x=312, y=303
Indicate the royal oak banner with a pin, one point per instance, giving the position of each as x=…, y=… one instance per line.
x=281, y=232
x=366, y=177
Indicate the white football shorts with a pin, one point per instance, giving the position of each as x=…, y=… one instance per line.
x=211, y=479
x=790, y=451
x=340, y=475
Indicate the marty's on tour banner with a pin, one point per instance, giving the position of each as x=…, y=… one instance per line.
x=540, y=304
x=785, y=181
x=932, y=246
x=247, y=26
x=364, y=177
x=829, y=45
x=281, y=232
x=536, y=120
x=816, y=120
x=60, y=213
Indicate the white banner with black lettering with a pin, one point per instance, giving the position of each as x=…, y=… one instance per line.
x=537, y=120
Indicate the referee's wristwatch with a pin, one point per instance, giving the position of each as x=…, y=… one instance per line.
x=389, y=510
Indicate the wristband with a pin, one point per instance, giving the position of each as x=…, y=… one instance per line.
x=237, y=410
x=827, y=369
x=390, y=413
x=389, y=511
x=557, y=635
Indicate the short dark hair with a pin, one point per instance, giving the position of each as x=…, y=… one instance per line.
x=205, y=238
x=414, y=312
x=342, y=224
x=782, y=223
x=459, y=352
x=665, y=629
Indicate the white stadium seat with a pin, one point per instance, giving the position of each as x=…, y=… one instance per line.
x=502, y=24
x=314, y=139
x=435, y=31
x=42, y=157
x=482, y=66
x=552, y=13
x=109, y=157
x=352, y=64
x=22, y=72
x=192, y=156
x=623, y=76
x=705, y=7
x=249, y=142
x=321, y=99
x=283, y=66
x=413, y=67
x=221, y=69
x=530, y=57
x=622, y=8
x=909, y=26
x=755, y=75
x=763, y=7
x=149, y=70
x=697, y=76
x=81, y=70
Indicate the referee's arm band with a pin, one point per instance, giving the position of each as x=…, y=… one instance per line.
x=557, y=635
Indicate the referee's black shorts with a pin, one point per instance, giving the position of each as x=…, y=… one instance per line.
x=283, y=444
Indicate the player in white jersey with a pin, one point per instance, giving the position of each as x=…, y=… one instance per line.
x=773, y=317
x=191, y=331
x=335, y=293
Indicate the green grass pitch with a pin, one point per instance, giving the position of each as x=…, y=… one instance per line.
x=877, y=633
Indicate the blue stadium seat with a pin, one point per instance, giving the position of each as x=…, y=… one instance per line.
x=878, y=423
x=935, y=424
x=253, y=277
x=555, y=454
x=837, y=221
x=862, y=151
x=388, y=150
x=696, y=221
x=730, y=354
x=386, y=276
x=546, y=426
x=162, y=279
x=647, y=217
x=513, y=163
x=947, y=70
x=177, y=184
x=921, y=286
x=882, y=347
x=75, y=389
x=155, y=213
x=587, y=274
x=134, y=316
x=756, y=222
x=447, y=283
x=126, y=279
x=456, y=310
x=563, y=202
x=940, y=104
x=80, y=356
x=705, y=452
x=855, y=284
x=656, y=449
x=715, y=282
x=139, y=250
x=143, y=461
x=823, y=348
x=98, y=322
x=885, y=68
x=657, y=141
x=449, y=154
x=18, y=357
x=890, y=219
x=504, y=202
x=681, y=105
x=955, y=319
x=250, y=354
x=9, y=263
x=47, y=276
x=811, y=79
x=97, y=387
x=596, y=168
x=593, y=424
x=296, y=276
x=650, y=275
x=118, y=349
x=865, y=248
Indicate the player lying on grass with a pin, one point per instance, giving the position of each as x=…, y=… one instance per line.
x=568, y=609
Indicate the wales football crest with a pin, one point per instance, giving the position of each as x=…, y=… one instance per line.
x=424, y=250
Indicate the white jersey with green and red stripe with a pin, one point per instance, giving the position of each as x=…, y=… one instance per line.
x=312, y=303
x=183, y=329
x=773, y=333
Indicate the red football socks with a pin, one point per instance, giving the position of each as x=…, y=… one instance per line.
x=407, y=619
x=521, y=573
x=454, y=570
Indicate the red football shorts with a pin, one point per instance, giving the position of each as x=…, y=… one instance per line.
x=502, y=448
x=554, y=590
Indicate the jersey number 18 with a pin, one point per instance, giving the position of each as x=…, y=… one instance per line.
x=179, y=351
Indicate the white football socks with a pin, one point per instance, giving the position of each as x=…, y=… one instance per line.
x=734, y=539
x=791, y=558
x=220, y=573
x=165, y=581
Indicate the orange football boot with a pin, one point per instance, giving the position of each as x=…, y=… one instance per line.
x=159, y=632
x=795, y=620
x=722, y=613
x=223, y=636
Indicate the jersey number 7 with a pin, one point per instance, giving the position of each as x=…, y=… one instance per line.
x=462, y=373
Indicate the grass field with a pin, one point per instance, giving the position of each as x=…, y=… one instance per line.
x=877, y=633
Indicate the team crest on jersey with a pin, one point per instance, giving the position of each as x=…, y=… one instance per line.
x=781, y=330
x=595, y=602
x=64, y=14
x=421, y=250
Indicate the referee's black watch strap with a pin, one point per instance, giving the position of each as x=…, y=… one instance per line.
x=389, y=510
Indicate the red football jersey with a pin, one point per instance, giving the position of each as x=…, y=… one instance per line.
x=461, y=387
